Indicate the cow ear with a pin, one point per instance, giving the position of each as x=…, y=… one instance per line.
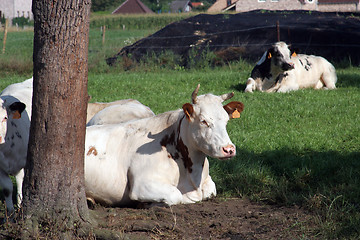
x=188, y=110
x=269, y=53
x=234, y=109
x=294, y=52
x=16, y=109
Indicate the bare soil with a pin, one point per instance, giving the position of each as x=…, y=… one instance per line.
x=234, y=218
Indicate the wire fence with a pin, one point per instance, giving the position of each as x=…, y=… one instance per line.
x=99, y=43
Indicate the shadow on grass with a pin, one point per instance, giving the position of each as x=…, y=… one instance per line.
x=348, y=80
x=286, y=176
x=327, y=183
x=239, y=87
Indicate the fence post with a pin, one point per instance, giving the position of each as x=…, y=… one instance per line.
x=278, y=31
x=5, y=34
x=103, y=34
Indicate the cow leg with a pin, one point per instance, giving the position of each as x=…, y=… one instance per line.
x=19, y=182
x=329, y=79
x=7, y=187
x=288, y=88
x=319, y=85
x=208, y=188
x=153, y=191
x=250, y=85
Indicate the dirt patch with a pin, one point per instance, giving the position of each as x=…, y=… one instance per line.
x=214, y=219
x=334, y=36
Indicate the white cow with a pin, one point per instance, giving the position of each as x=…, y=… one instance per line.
x=94, y=108
x=281, y=70
x=118, y=112
x=15, y=126
x=15, y=116
x=161, y=159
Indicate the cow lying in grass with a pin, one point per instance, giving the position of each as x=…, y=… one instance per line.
x=15, y=116
x=161, y=159
x=282, y=70
x=118, y=111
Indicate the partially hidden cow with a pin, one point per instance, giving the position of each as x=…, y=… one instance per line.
x=94, y=108
x=15, y=116
x=282, y=70
x=161, y=159
x=118, y=112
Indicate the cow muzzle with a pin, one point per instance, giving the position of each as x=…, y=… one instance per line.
x=228, y=151
x=287, y=66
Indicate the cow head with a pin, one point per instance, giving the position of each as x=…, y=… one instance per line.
x=13, y=111
x=207, y=119
x=280, y=56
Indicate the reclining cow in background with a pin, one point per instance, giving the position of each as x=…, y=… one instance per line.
x=15, y=116
x=161, y=159
x=282, y=70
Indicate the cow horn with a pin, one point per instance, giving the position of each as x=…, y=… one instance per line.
x=227, y=96
x=194, y=94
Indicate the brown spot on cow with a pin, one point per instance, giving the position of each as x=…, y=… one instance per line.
x=92, y=150
x=182, y=148
x=166, y=140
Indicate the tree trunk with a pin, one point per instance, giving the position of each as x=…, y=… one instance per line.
x=54, y=193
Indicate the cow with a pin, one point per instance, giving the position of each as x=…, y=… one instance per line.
x=161, y=159
x=282, y=70
x=96, y=107
x=15, y=116
x=117, y=112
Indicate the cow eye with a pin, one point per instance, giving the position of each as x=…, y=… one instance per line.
x=203, y=122
x=5, y=119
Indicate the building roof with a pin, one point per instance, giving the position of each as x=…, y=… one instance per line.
x=177, y=5
x=196, y=4
x=132, y=7
x=220, y=5
x=337, y=1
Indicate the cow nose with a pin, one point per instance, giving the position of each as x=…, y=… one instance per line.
x=229, y=151
x=288, y=66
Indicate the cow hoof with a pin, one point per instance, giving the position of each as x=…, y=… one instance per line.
x=91, y=203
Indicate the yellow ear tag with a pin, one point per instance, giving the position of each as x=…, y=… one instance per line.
x=269, y=56
x=16, y=115
x=235, y=114
x=294, y=54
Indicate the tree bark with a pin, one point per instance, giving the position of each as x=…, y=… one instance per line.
x=54, y=192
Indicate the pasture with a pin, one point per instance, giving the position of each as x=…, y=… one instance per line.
x=295, y=149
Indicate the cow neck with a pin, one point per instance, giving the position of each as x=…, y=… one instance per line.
x=14, y=141
x=194, y=156
x=194, y=160
x=179, y=147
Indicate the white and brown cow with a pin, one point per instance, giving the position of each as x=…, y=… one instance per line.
x=15, y=115
x=161, y=159
x=282, y=70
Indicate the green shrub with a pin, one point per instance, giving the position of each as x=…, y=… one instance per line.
x=22, y=21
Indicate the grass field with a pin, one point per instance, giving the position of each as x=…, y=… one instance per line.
x=298, y=148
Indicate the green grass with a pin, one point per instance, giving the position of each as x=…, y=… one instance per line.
x=298, y=148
